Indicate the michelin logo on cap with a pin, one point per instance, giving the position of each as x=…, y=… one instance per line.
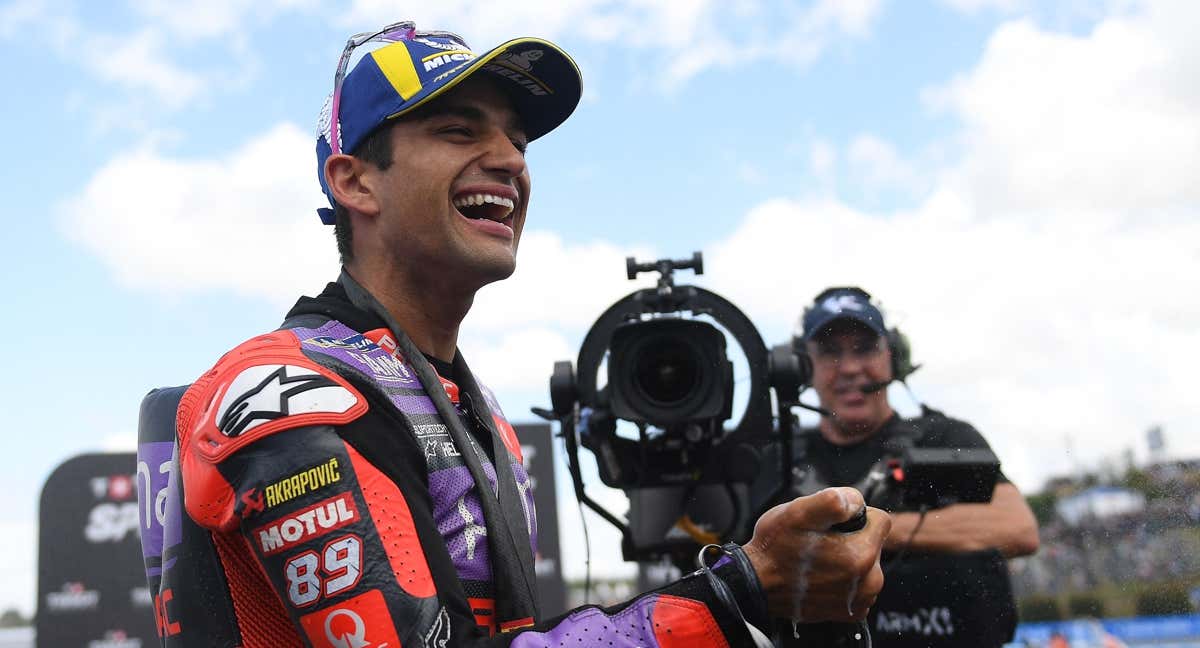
x=524, y=60
x=456, y=55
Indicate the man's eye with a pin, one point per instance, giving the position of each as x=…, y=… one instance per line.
x=520, y=145
x=457, y=130
x=867, y=348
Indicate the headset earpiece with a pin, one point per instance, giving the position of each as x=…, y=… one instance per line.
x=800, y=350
x=902, y=364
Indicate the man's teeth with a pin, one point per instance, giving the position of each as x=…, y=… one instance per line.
x=483, y=199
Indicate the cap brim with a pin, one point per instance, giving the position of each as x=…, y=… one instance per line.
x=823, y=323
x=544, y=91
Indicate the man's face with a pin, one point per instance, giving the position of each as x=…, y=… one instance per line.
x=453, y=201
x=848, y=356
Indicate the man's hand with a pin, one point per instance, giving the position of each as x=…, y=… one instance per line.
x=811, y=573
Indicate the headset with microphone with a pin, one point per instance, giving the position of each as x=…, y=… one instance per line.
x=902, y=365
x=852, y=302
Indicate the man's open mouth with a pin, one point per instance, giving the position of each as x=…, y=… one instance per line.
x=484, y=206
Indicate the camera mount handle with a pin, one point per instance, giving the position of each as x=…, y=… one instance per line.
x=666, y=270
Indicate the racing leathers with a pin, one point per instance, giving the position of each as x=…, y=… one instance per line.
x=337, y=492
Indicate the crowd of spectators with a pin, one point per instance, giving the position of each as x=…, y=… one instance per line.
x=1160, y=542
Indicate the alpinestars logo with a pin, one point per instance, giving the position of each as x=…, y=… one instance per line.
x=268, y=392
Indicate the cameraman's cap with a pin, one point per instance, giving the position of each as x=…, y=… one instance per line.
x=842, y=303
x=541, y=79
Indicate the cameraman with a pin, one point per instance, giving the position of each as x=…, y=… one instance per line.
x=947, y=581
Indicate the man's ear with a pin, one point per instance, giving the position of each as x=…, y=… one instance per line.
x=344, y=175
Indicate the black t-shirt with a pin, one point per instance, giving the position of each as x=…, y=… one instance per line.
x=443, y=368
x=929, y=600
x=846, y=465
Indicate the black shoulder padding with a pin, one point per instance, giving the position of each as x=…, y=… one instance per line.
x=156, y=420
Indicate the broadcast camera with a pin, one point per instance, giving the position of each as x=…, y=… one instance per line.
x=667, y=371
x=689, y=477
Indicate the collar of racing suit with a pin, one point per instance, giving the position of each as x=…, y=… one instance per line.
x=513, y=564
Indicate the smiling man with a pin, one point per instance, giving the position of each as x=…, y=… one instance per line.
x=950, y=585
x=346, y=480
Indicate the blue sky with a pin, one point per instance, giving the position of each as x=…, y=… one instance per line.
x=1014, y=180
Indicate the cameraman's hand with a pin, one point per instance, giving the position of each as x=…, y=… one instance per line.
x=811, y=573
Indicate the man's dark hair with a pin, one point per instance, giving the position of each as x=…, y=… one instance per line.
x=376, y=148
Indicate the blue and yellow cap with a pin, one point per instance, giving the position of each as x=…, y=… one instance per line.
x=543, y=82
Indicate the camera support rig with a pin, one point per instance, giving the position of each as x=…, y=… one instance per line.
x=690, y=454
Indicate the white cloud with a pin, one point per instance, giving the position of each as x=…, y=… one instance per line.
x=520, y=327
x=876, y=164
x=144, y=60
x=849, y=16
x=568, y=284
x=139, y=62
x=199, y=19
x=976, y=6
x=1060, y=12
x=124, y=441
x=1106, y=121
x=684, y=37
x=828, y=17
x=178, y=226
x=243, y=223
x=482, y=24
x=514, y=358
x=18, y=14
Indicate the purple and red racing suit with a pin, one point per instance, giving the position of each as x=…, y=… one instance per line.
x=318, y=492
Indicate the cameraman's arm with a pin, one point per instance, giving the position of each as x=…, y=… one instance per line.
x=1006, y=524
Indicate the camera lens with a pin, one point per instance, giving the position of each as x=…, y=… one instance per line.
x=667, y=371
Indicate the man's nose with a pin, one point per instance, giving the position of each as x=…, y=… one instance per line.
x=503, y=156
x=850, y=362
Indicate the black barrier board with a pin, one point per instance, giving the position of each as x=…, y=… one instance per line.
x=91, y=582
x=537, y=447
